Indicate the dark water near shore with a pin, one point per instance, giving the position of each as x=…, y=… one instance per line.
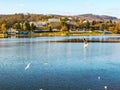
x=58, y=66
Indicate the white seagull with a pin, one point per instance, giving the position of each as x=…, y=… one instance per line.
x=105, y=87
x=45, y=63
x=85, y=43
x=28, y=65
x=89, y=89
x=99, y=77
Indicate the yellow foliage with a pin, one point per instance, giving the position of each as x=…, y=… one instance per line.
x=3, y=27
x=111, y=29
x=64, y=28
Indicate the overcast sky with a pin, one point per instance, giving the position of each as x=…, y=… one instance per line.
x=63, y=7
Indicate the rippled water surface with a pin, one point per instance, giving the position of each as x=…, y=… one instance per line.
x=58, y=66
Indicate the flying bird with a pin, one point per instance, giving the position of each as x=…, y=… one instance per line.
x=105, y=87
x=85, y=43
x=28, y=65
x=99, y=77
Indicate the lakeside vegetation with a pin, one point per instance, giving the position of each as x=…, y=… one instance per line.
x=66, y=33
x=51, y=25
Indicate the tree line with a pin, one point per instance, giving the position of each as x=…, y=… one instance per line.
x=22, y=22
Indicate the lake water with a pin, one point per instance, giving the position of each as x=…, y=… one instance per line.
x=58, y=66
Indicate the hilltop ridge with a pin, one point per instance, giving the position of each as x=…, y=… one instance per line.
x=96, y=17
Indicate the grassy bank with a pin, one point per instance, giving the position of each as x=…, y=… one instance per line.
x=3, y=35
x=63, y=34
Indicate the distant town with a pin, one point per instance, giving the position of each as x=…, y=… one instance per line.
x=38, y=23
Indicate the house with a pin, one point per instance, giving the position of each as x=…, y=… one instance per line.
x=12, y=31
x=54, y=20
x=37, y=24
x=107, y=32
x=72, y=21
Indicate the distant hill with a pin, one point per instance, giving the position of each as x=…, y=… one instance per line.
x=96, y=17
x=11, y=19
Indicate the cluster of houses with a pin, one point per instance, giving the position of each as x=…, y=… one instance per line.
x=37, y=24
x=53, y=20
x=45, y=23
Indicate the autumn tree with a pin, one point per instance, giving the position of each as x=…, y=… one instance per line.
x=112, y=29
x=93, y=22
x=86, y=24
x=3, y=27
x=81, y=24
x=32, y=27
x=26, y=26
x=56, y=25
x=64, y=28
x=117, y=29
x=17, y=26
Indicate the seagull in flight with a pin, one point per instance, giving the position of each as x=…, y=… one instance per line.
x=99, y=77
x=105, y=87
x=85, y=43
x=28, y=65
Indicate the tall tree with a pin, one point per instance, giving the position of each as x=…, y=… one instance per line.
x=3, y=27
x=64, y=28
x=17, y=26
x=26, y=26
x=32, y=27
x=93, y=22
x=86, y=24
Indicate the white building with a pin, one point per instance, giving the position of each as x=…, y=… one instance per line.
x=53, y=20
x=39, y=23
x=12, y=31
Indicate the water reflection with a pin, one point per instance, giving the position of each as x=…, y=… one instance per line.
x=93, y=39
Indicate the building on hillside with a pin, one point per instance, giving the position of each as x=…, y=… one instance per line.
x=54, y=20
x=106, y=32
x=72, y=21
x=39, y=23
x=12, y=31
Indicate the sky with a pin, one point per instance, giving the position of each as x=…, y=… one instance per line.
x=62, y=7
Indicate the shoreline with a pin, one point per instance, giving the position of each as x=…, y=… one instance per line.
x=43, y=34
x=50, y=34
x=88, y=40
